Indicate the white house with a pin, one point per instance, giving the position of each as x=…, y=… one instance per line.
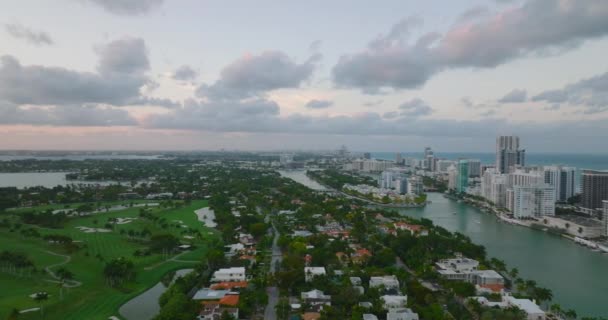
x=229, y=274
x=311, y=272
x=389, y=282
x=532, y=310
x=316, y=297
x=393, y=301
x=401, y=314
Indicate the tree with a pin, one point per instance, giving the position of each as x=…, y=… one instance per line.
x=41, y=297
x=119, y=271
x=282, y=308
x=14, y=315
x=64, y=275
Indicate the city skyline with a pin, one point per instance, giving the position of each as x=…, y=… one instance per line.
x=191, y=75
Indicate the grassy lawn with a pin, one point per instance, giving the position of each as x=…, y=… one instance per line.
x=94, y=299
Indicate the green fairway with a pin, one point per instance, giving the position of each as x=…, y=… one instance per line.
x=94, y=299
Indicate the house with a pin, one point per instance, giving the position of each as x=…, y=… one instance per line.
x=230, y=285
x=465, y=269
x=316, y=298
x=311, y=316
x=207, y=294
x=414, y=229
x=311, y=272
x=393, y=301
x=366, y=304
x=360, y=256
x=401, y=314
x=532, y=310
x=213, y=311
x=230, y=299
x=389, y=282
x=229, y=275
x=355, y=281
x=369, y=316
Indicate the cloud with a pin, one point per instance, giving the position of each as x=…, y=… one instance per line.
x=184, y=73
x=37, y=38
x=534, y=27
x=591, y=94
x=127, y=7
x=88, y=115
x=319, y=104
x=253, y=75
x=123, y=56
x=515, y=96
x=415, y=108
x=121, y=74
x=263, y=116
x=373, y=103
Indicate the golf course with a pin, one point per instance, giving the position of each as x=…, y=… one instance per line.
x=111, y=230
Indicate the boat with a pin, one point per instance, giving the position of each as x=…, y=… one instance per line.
x=454, y=212
x=477, y=221
x=586, y=243
x=602, y=248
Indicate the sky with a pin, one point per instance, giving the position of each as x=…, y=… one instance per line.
x=303, y=75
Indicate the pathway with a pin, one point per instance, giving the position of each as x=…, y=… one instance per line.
x=273, y=292
x=67, y=283
x=174, y=259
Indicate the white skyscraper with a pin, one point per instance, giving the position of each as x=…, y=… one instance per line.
x=533, y=201
x=508, y=154
x=494, y=187
x=562, y=179
x=522, y=178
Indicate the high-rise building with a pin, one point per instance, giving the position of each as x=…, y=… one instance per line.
x=605, y=218
x=474, y=168
x=462, y=181
x=444, y=165
x=595, y=188
x=398, y=158
x=414, y=185
x=386, y=179
x=452, y=177
x=494, y=187
x=429, y=159
x=562, y=179
x=508, y=154
x=533, y=201
x=367, y=155
x=523, y=178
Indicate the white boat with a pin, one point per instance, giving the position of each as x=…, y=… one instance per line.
x=602, y=248
x=586, y=243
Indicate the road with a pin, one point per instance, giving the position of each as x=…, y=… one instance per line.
x=273, y=292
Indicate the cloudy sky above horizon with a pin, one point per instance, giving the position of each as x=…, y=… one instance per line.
x=274, y=75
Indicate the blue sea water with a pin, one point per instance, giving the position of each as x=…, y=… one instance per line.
x=580, y=161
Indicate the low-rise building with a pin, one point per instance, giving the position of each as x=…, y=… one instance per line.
x=401, y=314
x=229, y=275
x=388, y=282
x=316, y=298
x=312, y=272
x=393, y=301
x=532, y=310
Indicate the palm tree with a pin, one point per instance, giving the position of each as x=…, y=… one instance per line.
x=64, y=275
x=41, y=297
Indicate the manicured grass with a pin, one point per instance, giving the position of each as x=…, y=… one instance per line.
x=94, y=299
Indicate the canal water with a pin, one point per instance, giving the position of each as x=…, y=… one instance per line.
x=145, y=306
x=577, y=276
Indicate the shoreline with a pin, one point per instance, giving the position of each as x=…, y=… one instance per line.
x=589, y=244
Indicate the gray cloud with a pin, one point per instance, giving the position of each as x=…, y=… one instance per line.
x=127, y=7
x=123, y=56
x=263, y=116
x=254, y=75
x=88, y=115
x=591, y=94
x=37, y=38
x=373, y=103
x=534, y=27
x=515, y=96
x=121, y=75
x=319, y=104
x=415, y=108
x=184, y=73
